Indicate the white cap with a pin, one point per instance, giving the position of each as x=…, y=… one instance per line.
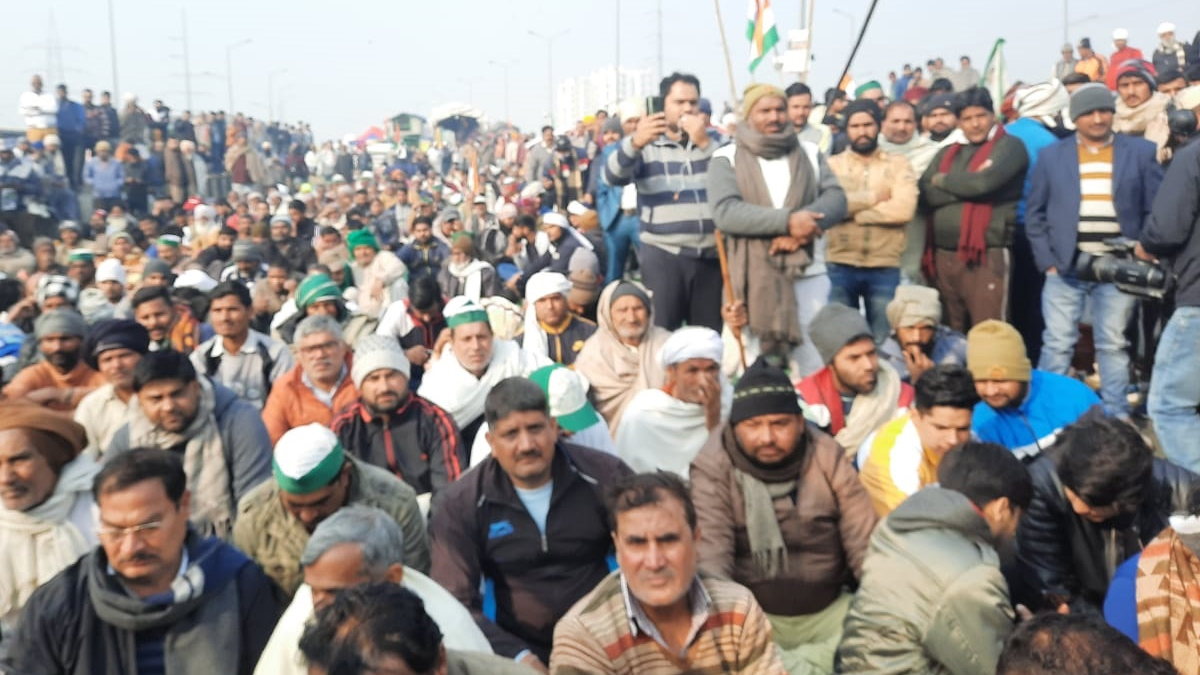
x=577, y=208
x=111, y=270
x=1166, y=27
x=377, y=352
x=554, y=218
x=1120, y=34
x=566, y=393
x=196, y=279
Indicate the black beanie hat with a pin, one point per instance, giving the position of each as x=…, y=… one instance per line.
x=864, y=105
x=763, y=390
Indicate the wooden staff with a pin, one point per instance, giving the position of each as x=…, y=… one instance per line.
x=724, y=260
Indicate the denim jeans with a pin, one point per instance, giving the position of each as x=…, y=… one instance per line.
x=1063, y=300
x=875, y=286
x=619, y=239
x=1175, y=389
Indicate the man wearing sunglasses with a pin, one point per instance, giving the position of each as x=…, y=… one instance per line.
x=155, y=596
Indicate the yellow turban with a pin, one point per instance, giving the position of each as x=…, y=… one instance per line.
x=757, y=92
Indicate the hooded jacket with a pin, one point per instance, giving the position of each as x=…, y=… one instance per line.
x=84, y=623
x=932, y=598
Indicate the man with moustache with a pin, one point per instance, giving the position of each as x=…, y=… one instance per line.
x=62, y=378
x=899, y=136
x=525, y=520
x=113, y=348
x=919, y=341
x=939, y=119
x=863, y=254
x=313, y=476
x=239, y=357
x=319, y=386
x=783, y=513
x=393, y=428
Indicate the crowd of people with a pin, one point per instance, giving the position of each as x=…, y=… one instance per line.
x=898, y=381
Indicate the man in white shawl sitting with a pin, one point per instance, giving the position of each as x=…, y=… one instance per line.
x=664, y=428
x=46, y=520
x=551, y=329
x=469, y=364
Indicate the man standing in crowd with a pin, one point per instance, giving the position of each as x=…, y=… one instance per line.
x=72, y=125
x=881, y=195
x=551, y=330
x=524, y=523
x=663, y=428
x=904, y=455
x=46, y=493
x=221, y=440
x=242, y=359
x=313, y=478
x=1172, y=232
x=113, y=348
x=155, y=596
x=970, y=193
x=62, y=378
x=1086, y=191
x=622, y=356
x=774, y=197
x=693, y=622
x=667, y=158
x=392, y=428
x=171, y=325
x=932, y=597
x=899, y=136
x=470, y=364
x=1122, y=54
x=784, y=514
x=1170, y=54
x=354, y=548
x=799, y=108
x=1066, y=65
x=1021, y=408
x=1091, y=64
x=854, y=393
x=39, y=110
x=318, y=386
x=919, y=341
x=1099, y=496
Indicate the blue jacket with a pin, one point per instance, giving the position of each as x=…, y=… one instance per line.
x=72, y=120
x=1053, y=402
x=1120, y=604
x=1052, y=213
x=608, y=196
x=1035, y=136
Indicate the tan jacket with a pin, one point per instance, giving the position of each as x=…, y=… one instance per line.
x=826, y=528
x=874, y=234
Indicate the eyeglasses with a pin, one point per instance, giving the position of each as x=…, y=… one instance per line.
x=322, y=348
x=120, y=533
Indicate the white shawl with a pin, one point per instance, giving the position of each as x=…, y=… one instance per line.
x=472, y=276
x=455, y=390
x=659, y=431
x=37, y=544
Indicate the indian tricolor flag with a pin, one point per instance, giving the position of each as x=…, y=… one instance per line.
x=760, y=30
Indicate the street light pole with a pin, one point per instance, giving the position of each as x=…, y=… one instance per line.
x=112, y=48
x=504, y=68
x=229, y=68
x=271, y=92
x=187, y=70
x=549, y=69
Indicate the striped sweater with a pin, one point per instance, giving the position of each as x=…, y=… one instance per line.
x=672, y=193
x=596, y=637
x=1097, y=212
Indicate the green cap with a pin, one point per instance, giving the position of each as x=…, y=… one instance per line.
x=361, y=237
x=314, y=289
x=567, y=394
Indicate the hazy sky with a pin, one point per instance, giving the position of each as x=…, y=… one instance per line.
x=352, y=63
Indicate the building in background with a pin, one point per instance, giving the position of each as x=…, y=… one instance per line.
x=603, y=88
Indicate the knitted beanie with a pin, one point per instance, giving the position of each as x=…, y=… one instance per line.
x=375, y=352
x=763, y=390
x=1090, y=98
x=995, y=351
x=834, y=327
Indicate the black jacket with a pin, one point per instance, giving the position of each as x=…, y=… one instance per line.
x=1172, y=232
x=1065, y=557
x=481, y=531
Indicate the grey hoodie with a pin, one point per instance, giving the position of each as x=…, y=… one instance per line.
x=932, y=598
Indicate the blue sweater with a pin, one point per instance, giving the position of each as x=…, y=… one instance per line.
x=1120, y=603
x=1052, y=209
x=106, y=178
x=1053, y=402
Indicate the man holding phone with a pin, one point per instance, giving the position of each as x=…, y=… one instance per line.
x=667, y=158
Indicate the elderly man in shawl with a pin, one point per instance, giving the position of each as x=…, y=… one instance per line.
x=664, y=427
x=552, y=330
x=772, y=197
x=469, y=364
x=379, y=275
x=784, y=514
x=621, y=358
x=46, y=495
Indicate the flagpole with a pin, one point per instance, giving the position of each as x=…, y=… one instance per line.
x=728, y=61
x=809, y=23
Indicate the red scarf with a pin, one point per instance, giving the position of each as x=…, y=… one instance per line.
x=976, y=216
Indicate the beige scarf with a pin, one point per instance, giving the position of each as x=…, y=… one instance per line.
x=1141, y=120
x=768, y=289
x=871, y=411
x=40, y=542
x=208, y=475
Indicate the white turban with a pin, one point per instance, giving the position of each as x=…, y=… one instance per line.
x=1042, y=101
x=540, y=285
x=692, y=342
x=111, y=270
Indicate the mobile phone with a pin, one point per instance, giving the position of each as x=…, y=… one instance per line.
x=654, y=105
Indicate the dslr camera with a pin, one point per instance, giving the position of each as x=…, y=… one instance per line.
x=1121, y=268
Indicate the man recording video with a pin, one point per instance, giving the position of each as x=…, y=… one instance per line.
x=1172, y=233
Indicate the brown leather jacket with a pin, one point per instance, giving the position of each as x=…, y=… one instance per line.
x=825, y=526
